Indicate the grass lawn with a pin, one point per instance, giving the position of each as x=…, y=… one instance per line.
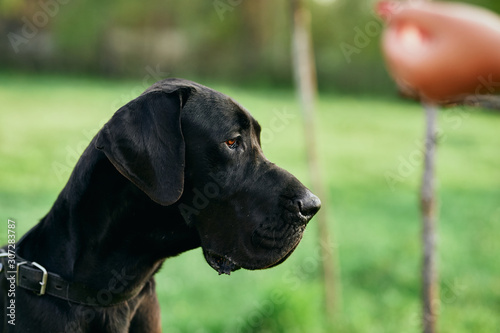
x=371, y=155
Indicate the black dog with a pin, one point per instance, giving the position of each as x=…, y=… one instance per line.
x=177, y=168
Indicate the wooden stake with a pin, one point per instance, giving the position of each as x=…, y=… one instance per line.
x=306, y=82
x=430, y=291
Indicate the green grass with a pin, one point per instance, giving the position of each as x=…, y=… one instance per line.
x=371, y=158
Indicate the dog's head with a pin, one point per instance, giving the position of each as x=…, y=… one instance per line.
x=186, y=145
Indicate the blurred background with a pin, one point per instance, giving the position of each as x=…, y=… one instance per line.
x=231, y=40
x=67, y=65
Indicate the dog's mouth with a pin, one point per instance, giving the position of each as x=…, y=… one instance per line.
x=225, y=264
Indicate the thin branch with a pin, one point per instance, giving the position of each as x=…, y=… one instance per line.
x=306, y=82
x=430, y=290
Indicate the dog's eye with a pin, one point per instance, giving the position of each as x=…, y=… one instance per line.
x=232, y=143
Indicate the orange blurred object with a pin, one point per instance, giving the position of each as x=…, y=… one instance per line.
x=441, y=52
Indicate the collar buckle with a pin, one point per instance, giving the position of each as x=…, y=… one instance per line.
x=43, y=283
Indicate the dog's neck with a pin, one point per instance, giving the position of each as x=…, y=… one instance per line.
x=102, y=225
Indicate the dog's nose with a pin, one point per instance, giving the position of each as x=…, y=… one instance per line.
x=309, y=205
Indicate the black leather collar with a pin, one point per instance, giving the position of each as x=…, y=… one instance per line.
x=34, y=277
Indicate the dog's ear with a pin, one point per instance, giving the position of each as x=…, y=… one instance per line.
x=144, y=141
